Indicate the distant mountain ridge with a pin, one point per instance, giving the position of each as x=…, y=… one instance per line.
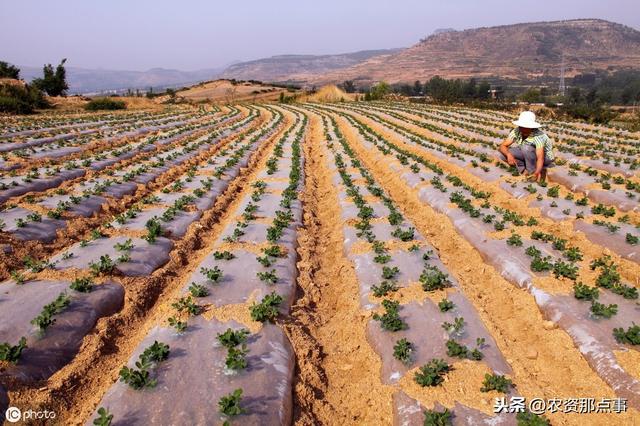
x=282, y=67
x=82, y=80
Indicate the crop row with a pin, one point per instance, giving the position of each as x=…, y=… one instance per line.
x=246, y=371
x=74, y=288
x=48, y=150
x=109, y=178
x=53, y=172
x=419, y=338
x=548, y=200
x=19, y=127
x=472, y=214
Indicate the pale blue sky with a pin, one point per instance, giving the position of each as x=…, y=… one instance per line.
x=195, y=34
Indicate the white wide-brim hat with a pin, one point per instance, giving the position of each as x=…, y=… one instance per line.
x=527, y=120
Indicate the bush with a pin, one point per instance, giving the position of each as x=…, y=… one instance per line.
x=594, y=113
x=379, y=91
x=9, y=71
x=18, y=99
x=104, y=104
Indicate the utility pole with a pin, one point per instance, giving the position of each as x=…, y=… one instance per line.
x=562, y=85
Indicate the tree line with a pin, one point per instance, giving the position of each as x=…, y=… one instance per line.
x=589, y=96
x=24, y=98
x=437, y=89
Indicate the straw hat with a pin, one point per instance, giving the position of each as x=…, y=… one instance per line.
x=527, y=120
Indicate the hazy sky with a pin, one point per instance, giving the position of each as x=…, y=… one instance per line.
x=195, y=34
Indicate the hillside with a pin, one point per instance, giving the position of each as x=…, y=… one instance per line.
x=303, y=67
x=519, y=51
x=225, y=91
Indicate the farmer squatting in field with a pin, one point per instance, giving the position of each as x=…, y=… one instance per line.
x=528, y=148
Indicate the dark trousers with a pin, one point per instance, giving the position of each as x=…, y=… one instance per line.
x=525, y=156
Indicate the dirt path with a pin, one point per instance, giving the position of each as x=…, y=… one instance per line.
x=338, y=372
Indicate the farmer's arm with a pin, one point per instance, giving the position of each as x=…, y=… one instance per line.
x=539, y=161
x=504, y=150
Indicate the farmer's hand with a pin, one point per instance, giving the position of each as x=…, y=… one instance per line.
x=537, y=176
x=511, y=159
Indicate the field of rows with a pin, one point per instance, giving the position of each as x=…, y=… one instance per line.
x=351, y=263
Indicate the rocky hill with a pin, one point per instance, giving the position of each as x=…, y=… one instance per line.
x=519, y=51
x=303, y=67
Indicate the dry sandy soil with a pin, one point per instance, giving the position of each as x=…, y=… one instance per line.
x=374, y=222
x=223, y=91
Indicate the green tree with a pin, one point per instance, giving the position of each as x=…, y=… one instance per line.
x=54, y=83
x=575, y=95
x=9, y=71
x=532, y=95
x=591, y=97
x=349, y=86
x=627, y=95
x=417, y=88
x=470, y=89
x=379, y=91
x=436, y=88
x=483, y=90
x=405, y=89
x=449, y=91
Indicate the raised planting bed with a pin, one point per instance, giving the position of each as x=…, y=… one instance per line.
x=615, y=241
x=429, y=339
x=411, y=333
x=408, y=412
x=85, y=206
x=194, y=378
x=462, y=156
x=266, y=259
x=31, y=182
x=239, y=281
x=175, y=228
x=53, y=339
x=144, y=258
x=27, y=225
x=16, y=187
